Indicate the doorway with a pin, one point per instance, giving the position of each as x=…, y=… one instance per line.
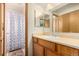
x=16, y=29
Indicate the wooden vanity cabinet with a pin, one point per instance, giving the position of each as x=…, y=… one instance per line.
x=46, y=44
x=43, y=47
x=35, y=40
x=67, y=51
x=49, y=47
x=50, y=53
x=38, y=50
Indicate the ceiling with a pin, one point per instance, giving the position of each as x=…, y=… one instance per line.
x=44, y=8
x=47, y=6
x=15, y=6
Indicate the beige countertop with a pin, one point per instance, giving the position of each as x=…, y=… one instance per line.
x=71, y=42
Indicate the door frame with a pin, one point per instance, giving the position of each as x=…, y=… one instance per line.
x=3, y=28
x=26, y=28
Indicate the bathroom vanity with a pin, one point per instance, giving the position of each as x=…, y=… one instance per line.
x=64, y=21
x=55, y=46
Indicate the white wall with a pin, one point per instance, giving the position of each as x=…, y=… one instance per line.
x=39, y=11
x=42, y=10
x=31, y=28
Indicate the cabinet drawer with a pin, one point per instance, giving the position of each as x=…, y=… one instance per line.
x=47, y=44
x=66, y=51
x=35, y=40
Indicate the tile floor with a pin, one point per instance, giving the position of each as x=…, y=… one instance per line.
x=19, y=52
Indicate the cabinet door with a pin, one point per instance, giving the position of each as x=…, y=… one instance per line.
x=66, y=51
x=38, y=50
x=50, y=53
x=35, y=40
x=47, y=44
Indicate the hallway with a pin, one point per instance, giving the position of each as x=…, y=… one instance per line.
x=14, y=29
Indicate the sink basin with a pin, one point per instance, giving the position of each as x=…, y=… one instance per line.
x=49, y=36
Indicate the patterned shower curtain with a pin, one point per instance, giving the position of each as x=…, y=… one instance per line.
x=16, y=38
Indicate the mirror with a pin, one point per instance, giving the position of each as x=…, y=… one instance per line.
x=38, y=19
x=42, y=20
x=68, y=22
x=46, y=21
